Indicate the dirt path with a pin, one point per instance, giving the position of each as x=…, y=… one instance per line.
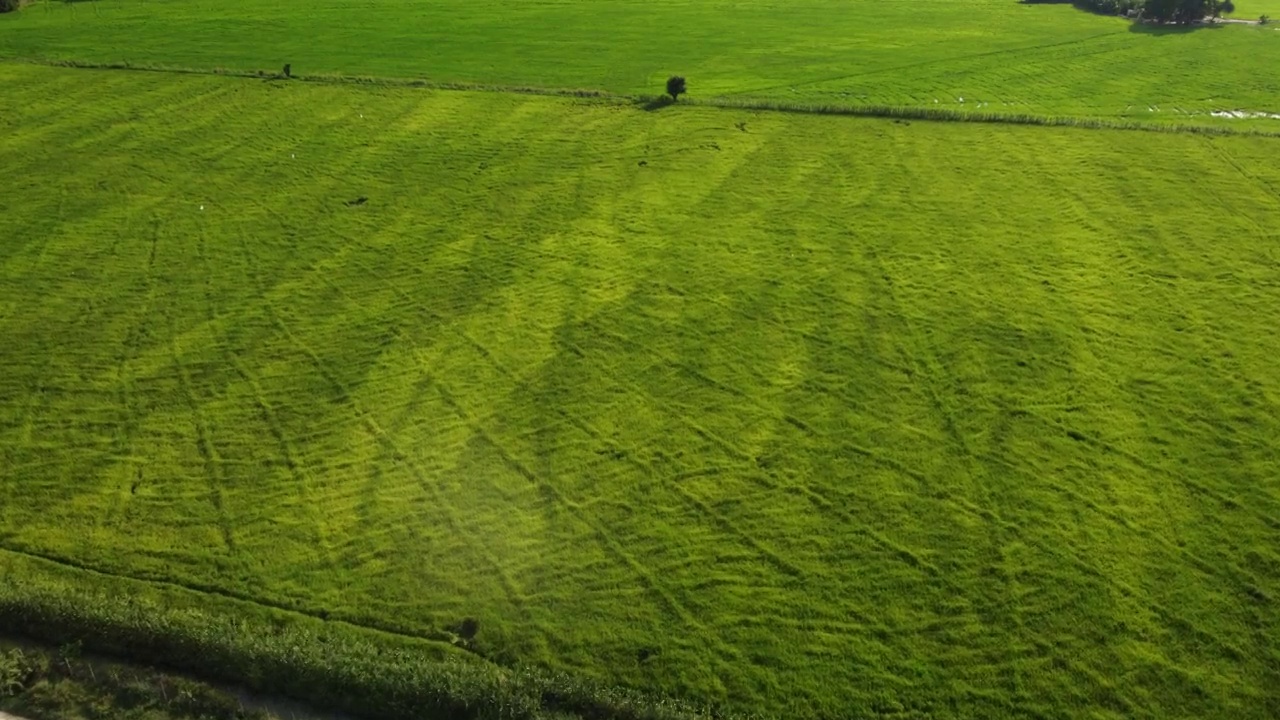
x=7, y=716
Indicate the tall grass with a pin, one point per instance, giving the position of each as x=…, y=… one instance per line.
x=332, y=665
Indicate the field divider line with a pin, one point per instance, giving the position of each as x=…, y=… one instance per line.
x=214, y=591
x=894, y=112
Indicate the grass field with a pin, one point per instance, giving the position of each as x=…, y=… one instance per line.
x=804, y=415
x=994, y=55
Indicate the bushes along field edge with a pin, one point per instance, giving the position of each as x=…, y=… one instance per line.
x=331, y=665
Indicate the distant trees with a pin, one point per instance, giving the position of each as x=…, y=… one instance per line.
x=676, y=87
x=1182, y=12
x=11, y=5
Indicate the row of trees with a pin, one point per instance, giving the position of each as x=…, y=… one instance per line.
x=1185, y=12
x=1182, y=12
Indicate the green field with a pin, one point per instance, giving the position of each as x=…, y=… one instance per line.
x=795, y=414
x=993, y=55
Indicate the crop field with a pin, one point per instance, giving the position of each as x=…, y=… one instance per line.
x=987, y=55
x=788, y=414
x=801, y=415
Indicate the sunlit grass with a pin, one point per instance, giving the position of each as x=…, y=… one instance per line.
x=983, y=55
x=805, y=415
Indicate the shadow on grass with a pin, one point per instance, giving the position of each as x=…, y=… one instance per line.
x=654, y=103
x=1153, y=29
x=1137, y=26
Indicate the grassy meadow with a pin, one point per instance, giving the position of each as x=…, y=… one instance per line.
x=989, y=55
x=800, y=415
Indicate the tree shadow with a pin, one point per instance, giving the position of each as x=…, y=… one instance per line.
x=654, y=103
x=1156, y=30
x=1136, y=25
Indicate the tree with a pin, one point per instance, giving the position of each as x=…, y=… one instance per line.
x=1182, y=12
x=1226, y=7
x=676, y=87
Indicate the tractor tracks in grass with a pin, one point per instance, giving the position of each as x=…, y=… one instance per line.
x=131, y=349
x=611, y=544
x=303, y=481
x=978, y=464
x=724, y=522
x=204, y=446
x=343, y=395
x=1230, y=159
x=607, y=540
x=814, y=496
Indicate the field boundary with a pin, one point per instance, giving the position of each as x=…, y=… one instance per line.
x=436, y=637
x=656, y=102
x=363, y=671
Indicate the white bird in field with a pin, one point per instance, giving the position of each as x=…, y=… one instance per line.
x=202, y=207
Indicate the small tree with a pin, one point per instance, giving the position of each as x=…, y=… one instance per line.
x=1226, y=7
x=676, y=87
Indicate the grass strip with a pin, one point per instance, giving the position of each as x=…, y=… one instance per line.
x=334, y=665
x=652, y=102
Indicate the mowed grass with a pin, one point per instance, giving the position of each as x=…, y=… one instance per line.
x=814, y=416
x=988, y=55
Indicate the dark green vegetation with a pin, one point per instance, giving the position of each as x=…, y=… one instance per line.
x=794, y=414
x=333, y=665
x=1160, y=12
x=62, y=684
x=989, y=55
